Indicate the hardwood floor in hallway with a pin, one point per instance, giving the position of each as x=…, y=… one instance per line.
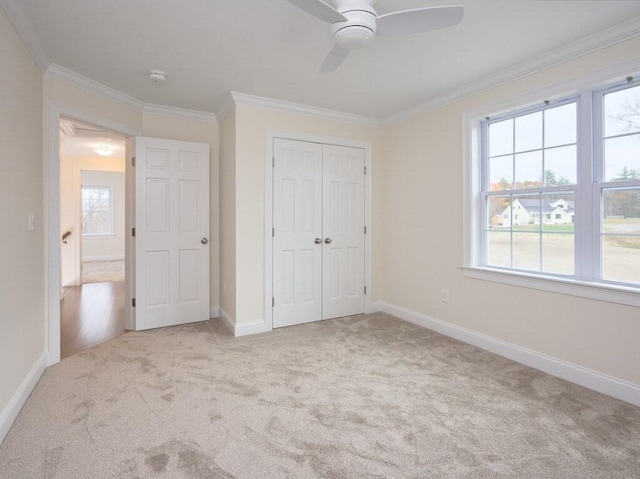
x=90, y=314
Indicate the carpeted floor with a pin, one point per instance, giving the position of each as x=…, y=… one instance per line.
x=364, y=396
x=102, y=271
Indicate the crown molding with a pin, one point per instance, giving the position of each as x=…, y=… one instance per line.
x=306, y=110
x=605, y=38
x=225, y=107
x=72, y=78
x=182, y=113
x=15, y=13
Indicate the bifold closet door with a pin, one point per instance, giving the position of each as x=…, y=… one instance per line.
x=343, y=231
x=318, y=232
x=297, y=231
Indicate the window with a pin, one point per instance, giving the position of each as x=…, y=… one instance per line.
x=97, y=211
x=571, y=170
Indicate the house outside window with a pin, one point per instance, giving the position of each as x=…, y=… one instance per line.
x=578, y=205
x=97, y=211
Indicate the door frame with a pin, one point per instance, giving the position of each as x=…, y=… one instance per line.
x=54, y=112
x=271, y=135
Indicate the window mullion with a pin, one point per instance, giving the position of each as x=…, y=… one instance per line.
x=584, y=214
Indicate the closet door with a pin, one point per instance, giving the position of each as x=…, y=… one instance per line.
x=297, y=232
x=343, y=231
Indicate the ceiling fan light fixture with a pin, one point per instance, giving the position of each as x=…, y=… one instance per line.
x=354, y=36
x=104, y=150
x=360, y=27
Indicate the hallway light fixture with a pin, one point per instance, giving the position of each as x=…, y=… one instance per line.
x=104, y=150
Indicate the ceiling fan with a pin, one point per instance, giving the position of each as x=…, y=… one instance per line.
x=356, y=23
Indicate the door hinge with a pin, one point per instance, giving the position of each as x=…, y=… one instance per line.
x=273, y=232
x=365, y=290
x=273, y=162
x=133, y=161
x=365, y=170
x=133, y=302
x=273, y=302
x=365, y=230
x=133, y=232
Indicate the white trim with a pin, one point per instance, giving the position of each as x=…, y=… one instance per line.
x=20, y=397
x=253, y=327
x=617, y=388
x=113, y=257
x=72, y=78
x=225, y=107
x=227, y=320
x=181, y=113
x=26, y=31
x=603, y=39
x=305, y=110
x=583, y=289
x=51, y=170
x=268, y=210
x=214, y=312
x=242, y=329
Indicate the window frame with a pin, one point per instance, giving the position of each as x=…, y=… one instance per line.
x=586, y=280
x=110, y=212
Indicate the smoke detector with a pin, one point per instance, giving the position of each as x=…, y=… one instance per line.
x=157, y=76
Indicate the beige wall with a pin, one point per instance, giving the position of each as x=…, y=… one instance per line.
x=70, y=183
x=251, y=126
x=423, y=194
x=22, y=321
x=201, y=132
x=228, y=214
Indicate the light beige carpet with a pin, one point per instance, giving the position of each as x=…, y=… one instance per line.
x=102, y=271
x=365, y=396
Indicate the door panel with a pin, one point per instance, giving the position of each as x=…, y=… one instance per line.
x=297, y=222
x=343, y=220
x=171, y=221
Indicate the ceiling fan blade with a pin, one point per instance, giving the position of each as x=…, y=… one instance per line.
x=335, y=57
x=419, y=20
x=319, y=9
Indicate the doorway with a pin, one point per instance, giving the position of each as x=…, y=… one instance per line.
x=323, y=270
x=92, y=221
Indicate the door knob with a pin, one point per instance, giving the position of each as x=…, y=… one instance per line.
x=317, y=240
x=204, y=241
x=327, y=240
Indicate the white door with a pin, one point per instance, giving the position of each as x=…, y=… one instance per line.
x=318, y=232
x=172, y=232
x=297, y=232
x=343, y=231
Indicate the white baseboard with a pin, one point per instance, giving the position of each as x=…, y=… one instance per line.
x=245, y=329
x=228, y=321
x=89, y=259
x=214, y=312
x=241, y=329
x=20, y=397
x=618, y=388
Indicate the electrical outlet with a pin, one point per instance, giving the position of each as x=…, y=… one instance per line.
x=445, y=296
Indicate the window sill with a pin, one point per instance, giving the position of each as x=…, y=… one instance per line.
x=598, y=291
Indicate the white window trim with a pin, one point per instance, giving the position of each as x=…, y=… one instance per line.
x=471, y=157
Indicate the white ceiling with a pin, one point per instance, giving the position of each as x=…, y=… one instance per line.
x=81, y=139
x=272, y=49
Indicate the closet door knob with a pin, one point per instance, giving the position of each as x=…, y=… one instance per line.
x=204, y=241
x=317, y=240
x=327, y=241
